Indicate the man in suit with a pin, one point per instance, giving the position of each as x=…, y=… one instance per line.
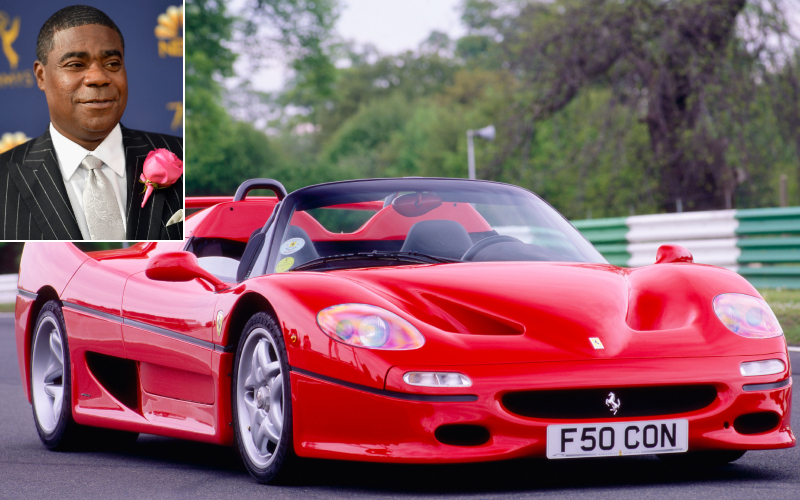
x=80, y=179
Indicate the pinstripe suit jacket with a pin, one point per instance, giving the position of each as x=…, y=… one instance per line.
x=35, y=206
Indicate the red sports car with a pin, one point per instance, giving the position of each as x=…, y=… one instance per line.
x=398, y=320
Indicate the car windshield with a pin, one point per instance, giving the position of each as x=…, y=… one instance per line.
x=385, y=222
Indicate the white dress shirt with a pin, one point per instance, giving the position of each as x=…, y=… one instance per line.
x=70, y=155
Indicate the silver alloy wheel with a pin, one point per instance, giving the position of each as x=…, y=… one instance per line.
x=259, y=397
x=47, y=373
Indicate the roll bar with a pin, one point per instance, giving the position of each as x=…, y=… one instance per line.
x=248, y=185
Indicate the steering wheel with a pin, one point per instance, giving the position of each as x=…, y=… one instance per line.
x=491, y=240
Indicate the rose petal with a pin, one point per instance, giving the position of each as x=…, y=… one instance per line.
x=162, y=167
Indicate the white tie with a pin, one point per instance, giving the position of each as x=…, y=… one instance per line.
x=100, y=203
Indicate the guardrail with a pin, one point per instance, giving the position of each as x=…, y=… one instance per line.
x=761, y=244
x=8, y=288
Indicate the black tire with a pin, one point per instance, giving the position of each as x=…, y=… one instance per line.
x=67, y=435
x=714, y=458
x=278, y=466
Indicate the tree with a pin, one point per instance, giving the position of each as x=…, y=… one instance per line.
x=785, y=90
x=221, y=152
x=674, y=62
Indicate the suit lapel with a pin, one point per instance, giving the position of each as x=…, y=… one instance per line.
x=136, y=149
x=41, y=187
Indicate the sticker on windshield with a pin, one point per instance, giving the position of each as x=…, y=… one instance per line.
x=292, y=245
x=284, y=265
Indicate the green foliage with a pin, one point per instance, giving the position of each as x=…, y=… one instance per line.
x=341, y=221
x=306, y=35
x=238, y=151
x=786, y=306
x=410, y=75
x=372, y=126
x=221, y=152
x=207, y=59
x=688, y=69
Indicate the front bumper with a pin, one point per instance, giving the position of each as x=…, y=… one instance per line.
x=341, y=421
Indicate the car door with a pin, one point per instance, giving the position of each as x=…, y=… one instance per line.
x=91, y=306
x=167, y=327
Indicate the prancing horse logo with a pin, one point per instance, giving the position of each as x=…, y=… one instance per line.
x=613, y=403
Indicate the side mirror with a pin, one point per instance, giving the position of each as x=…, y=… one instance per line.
x=180, y=266
x=673, y=253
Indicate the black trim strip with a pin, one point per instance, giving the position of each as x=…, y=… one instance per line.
x=224, y=348
x=427, y=398
x=27, y=294
x=149, y=328
x=169, y=333
x=766, y=387
x=93, y=312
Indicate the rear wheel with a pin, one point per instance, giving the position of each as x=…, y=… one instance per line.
x=262, y=402
x=51, y=380
x=51, y=390
x=702, y=458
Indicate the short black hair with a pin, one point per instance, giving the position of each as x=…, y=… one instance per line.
x=71, y=17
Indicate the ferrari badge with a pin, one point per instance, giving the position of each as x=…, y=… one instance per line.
x=613, y=403
x=596, y=343
x=220, y=317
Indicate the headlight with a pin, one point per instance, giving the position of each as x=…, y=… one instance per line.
x=368, y=326
x=747, y=316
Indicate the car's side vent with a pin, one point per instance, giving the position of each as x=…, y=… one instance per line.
x=119, y=376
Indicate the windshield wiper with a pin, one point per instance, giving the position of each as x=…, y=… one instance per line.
x=414, y=257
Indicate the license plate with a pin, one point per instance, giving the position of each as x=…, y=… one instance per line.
x=617, y=438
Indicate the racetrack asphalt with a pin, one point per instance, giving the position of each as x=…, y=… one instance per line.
x=156, y=467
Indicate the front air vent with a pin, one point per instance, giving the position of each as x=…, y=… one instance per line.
x=462, y=434
x=628, y=402
x=756, y=423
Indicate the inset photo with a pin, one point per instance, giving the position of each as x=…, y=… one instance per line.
x=91, y=129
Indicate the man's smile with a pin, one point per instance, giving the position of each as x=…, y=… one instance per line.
x=98, y=103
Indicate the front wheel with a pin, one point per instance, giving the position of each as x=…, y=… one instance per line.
x=262, y=402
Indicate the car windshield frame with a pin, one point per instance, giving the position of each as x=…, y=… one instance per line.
x=361, y=190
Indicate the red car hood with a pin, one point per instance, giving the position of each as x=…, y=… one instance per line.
x=518, y=312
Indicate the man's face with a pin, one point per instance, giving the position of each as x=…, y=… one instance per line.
x=85, y=83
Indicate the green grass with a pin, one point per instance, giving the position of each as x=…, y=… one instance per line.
x=786, y=306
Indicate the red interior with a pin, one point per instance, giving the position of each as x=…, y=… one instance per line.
x=387, y=224
x=237, y=220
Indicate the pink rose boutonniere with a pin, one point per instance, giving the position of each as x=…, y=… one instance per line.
x=161, y=169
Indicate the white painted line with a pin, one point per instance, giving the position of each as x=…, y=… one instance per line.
x=794, y=349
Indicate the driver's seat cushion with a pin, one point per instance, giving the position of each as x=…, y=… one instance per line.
x=441, y=238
